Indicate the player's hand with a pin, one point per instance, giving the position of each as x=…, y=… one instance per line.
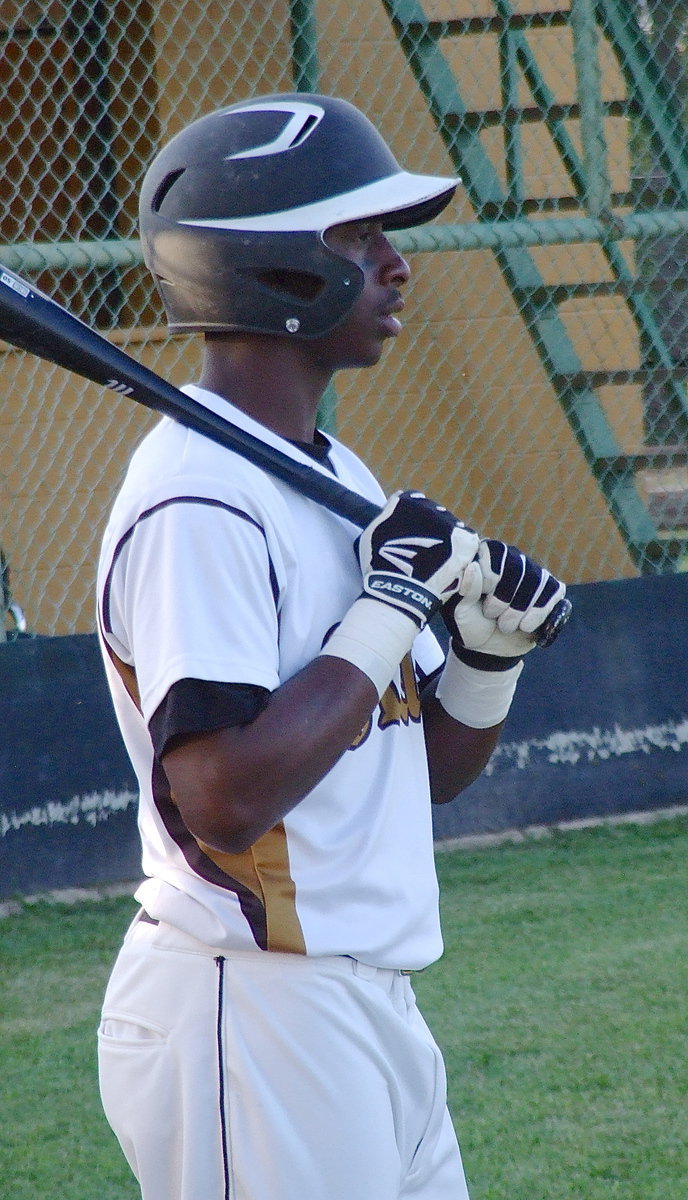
x=416, y=555
x=499, y=614
x=519, y=593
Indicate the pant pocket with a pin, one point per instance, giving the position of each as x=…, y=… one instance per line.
x=127, y=1029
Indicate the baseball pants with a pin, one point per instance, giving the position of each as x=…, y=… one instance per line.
x=260, y=1076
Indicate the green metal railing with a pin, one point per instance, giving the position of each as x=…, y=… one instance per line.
x=539, y=304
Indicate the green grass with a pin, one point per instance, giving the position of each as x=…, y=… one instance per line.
x=54, y=963
x=560, y=1005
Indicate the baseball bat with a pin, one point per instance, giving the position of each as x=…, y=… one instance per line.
x=32, y=321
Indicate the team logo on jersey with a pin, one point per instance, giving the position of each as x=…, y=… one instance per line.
x=397, y=706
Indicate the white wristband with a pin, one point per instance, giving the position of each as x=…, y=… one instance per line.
x=476, y=698
x=374, y=637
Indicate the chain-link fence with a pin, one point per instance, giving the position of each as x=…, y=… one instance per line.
x=540, y=386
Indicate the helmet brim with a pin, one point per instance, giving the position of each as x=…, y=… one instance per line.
x=400, y=201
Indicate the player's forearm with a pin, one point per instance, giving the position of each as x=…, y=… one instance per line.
x=233, y=785
x=457, y=753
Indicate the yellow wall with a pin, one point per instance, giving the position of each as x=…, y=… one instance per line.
x=460, y=406
x=65, y=447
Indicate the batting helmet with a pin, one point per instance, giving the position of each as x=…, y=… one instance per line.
x=233, y=212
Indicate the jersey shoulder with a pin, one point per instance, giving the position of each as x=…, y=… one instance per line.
x=174, y=463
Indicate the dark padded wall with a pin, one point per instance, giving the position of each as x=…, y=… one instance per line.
x=599, y=726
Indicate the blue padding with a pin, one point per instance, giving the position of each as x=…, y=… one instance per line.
x=599, y=726
x=67, y=790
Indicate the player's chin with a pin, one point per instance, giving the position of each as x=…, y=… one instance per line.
x=372, y=348
x=373, y=355
x=362, y=354
x=363, y=345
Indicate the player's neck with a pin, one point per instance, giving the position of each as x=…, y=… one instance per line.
x=268, y=379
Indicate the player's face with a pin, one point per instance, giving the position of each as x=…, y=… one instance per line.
x=374, y=318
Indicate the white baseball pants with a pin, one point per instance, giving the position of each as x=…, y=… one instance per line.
x=260, y=1076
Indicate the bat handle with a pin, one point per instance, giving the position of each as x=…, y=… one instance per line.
x=551, y=628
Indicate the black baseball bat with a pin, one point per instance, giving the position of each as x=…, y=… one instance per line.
x=32, y=321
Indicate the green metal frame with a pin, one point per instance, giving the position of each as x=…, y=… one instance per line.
x=304, y=45
x=306, y=76
x=538, y=303
x=644, y=79
x=589, y=177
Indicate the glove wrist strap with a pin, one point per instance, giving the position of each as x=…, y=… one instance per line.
x=485, y=662
x=414, y=597
x=477, y=698
x=374, y=637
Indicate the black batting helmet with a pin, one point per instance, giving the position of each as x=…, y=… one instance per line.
x=234, y=208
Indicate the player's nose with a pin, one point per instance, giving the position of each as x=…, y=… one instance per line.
x=393, y=266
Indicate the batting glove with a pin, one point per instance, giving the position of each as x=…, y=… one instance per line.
x=491, y=625
x=476, y=638
x=519, y=593
x=415, y=554
x=413, y=557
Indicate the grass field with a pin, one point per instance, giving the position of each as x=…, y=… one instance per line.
x=560, y=1004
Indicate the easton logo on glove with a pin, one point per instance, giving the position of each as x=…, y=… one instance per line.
x=418, y=601
x=413, y=556
x=401, y=552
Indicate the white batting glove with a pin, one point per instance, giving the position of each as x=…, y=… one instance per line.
x=491, y=624
x=473, y=634
x=519, y=593
x=414, y=557
x=483, y=665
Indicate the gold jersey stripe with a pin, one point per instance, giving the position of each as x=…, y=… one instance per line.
x=264, y=869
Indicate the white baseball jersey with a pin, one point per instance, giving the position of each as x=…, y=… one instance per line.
x=212, y=570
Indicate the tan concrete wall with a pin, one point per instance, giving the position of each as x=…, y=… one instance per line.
x=460, y=422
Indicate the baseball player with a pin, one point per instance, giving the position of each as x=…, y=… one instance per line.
x=287, y=709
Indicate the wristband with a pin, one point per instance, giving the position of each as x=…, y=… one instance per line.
x=374, y=637
x=486, y=662
x=477, y=698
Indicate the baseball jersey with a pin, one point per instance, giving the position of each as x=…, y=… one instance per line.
x=213, y=570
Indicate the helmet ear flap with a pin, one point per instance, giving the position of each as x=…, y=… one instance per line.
x=300, y=285
x=223, y=281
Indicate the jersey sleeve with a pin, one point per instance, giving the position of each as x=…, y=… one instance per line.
x=193, y=592
x=201, y=706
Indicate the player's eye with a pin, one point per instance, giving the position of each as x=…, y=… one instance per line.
x=353, y=234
